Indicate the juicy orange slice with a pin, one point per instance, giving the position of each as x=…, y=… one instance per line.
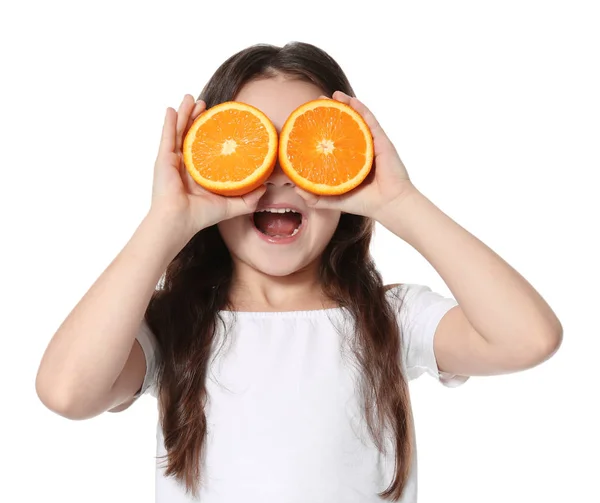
x=326, y=147
x=230, y=149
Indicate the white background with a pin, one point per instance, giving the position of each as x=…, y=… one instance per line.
x=494, y=108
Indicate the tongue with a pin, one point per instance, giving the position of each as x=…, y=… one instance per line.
x=276, y=224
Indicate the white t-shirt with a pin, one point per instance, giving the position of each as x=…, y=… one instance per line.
x=285, y=422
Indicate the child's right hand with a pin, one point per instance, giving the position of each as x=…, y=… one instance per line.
x=176, y=197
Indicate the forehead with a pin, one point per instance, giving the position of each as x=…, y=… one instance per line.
x=278, y=97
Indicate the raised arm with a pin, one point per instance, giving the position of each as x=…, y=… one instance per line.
x=92, y=362
x=502, y=324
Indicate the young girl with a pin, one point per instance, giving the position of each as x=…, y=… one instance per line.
x=280, y=364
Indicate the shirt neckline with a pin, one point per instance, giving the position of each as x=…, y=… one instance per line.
x=310, y=313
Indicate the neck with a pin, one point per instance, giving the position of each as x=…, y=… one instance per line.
x=253, y=290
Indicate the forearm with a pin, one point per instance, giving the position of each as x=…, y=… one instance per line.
x=91, y=347
x=498, y=302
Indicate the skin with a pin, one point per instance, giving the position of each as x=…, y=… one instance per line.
x=93, y=362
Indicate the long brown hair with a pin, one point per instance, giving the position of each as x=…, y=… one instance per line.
x=184, y=312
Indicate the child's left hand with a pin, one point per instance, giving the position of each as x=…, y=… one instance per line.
x=388, y=180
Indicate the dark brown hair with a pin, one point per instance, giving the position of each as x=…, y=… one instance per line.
x=184, y=312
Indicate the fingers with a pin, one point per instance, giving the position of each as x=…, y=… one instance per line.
x=199, y=107
x=166, y=156
x=363, y=110
x=188, y=111
x=167, y=140
x=183, y=115
x=340, y=96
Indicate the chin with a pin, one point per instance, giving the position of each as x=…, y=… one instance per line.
x=271, y=266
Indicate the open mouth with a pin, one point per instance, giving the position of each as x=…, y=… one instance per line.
x=278, y=222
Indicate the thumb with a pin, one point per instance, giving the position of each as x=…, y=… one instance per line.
x=319, y=202
x=242, y=205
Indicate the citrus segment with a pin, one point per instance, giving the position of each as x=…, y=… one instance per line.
x=230, y=149
x=326, y=147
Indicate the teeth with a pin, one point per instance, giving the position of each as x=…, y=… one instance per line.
x=277, y=210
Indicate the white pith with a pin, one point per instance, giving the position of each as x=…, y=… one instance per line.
x=228, y=147
x=325, y=146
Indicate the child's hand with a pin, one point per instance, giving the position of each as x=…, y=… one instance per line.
x=387, y=181
x=175, y=194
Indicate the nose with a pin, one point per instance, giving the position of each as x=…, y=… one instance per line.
x=278, y=178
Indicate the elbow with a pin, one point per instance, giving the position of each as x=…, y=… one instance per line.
x=529, y=350
x=53, y=400
x=551, y=338
x=58, y=402
x=551, y=342
x=544, y=345
x=50, y=391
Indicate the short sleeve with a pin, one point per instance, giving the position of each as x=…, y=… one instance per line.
x=419, y=312
x=150, y=347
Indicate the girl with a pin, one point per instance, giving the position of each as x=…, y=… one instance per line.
x=280, y=365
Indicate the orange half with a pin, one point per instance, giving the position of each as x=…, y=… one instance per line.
x=230, y=149
x=326, y=147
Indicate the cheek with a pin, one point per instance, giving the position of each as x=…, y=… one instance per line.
x=231, y=230
x=324, y=224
